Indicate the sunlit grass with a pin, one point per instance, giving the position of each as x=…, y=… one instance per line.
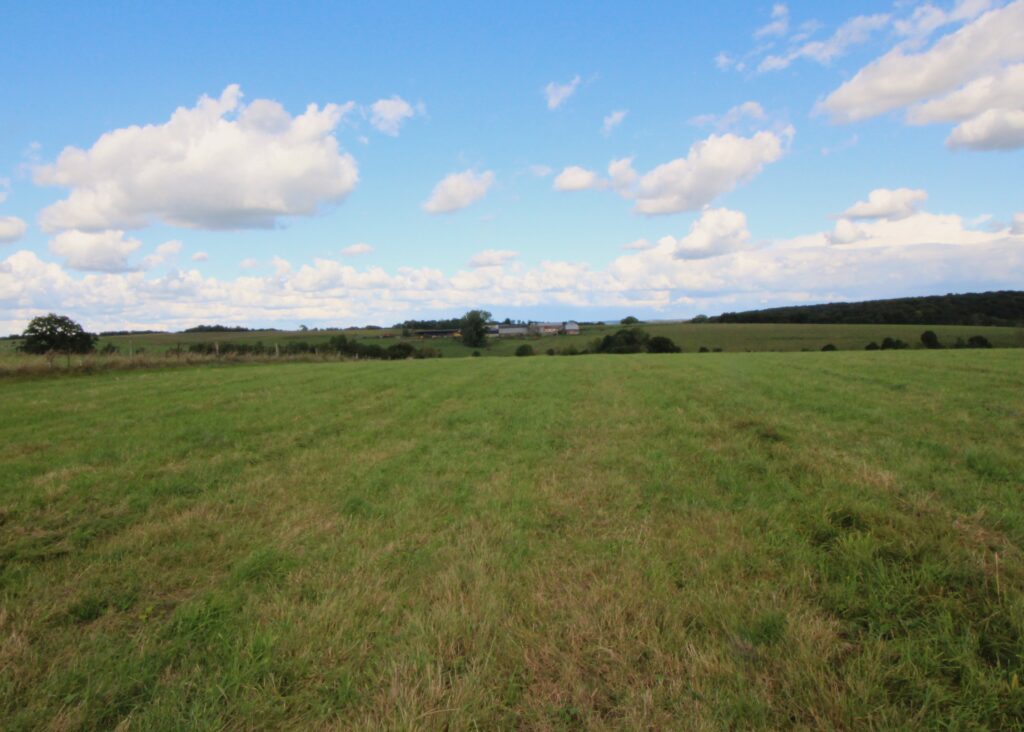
x=691, y=541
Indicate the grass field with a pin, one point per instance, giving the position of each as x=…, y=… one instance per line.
x=730, y=337
x=799, y=540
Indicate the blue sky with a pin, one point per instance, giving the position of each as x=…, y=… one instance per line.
x=539, y=161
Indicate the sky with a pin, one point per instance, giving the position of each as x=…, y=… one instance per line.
x=275, y=164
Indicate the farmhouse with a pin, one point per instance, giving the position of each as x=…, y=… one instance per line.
x=569, y=327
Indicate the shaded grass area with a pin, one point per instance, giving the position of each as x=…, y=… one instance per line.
x=751, y=541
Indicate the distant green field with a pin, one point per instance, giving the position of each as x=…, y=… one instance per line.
x=731, y=541
x=691, y=337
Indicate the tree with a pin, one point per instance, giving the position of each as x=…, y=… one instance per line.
x=629, y=320
x=524, y=350
x=930, y=340
x=978, y=341
x=473, y=327
x=54, y=333
x=699, y=319
x=661, y=344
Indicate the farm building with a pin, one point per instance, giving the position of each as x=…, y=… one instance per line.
x=511, y=331
x=571, y=328
x=544, y=329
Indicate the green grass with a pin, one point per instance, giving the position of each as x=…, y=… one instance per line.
x=609, y=542
x=729, y=337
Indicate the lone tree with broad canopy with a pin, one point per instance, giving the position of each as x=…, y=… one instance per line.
x=473, y=327
x=57, y=334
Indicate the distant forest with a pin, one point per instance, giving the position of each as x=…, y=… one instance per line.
x=976, y=308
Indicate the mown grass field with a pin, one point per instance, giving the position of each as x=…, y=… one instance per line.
x=803, y=540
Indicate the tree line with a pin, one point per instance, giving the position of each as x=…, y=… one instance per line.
x=1004, y=307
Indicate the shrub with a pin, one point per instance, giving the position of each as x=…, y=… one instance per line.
x=889, y=344
x=400, y=351
x=108, y=349
x=627, y=340
x=829, y=347
x=871, y=346
x=476, y=354
x=550, y=351
x=703, y=349
x=978, y=341
x=661, y=344
x=524, y=350
x=930, y=340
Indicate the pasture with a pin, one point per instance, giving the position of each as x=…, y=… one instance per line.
x=730, y=337
x=798, y=540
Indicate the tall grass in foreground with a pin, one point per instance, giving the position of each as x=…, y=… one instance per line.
x=670, y=542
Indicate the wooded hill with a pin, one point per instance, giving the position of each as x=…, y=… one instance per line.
x=974, y=308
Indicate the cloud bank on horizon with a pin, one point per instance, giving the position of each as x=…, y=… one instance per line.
x=606, y=200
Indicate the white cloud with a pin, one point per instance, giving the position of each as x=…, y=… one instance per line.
x=575, y=178
x=747, y=110
x=779, y=24
x=11, y=229
x=458, y=190
x=387, y=115
x=994, y=129
x=899, y=79
x=637, y=245
x=164, y=252
x=104, y=251
x=556, y=93
x=887, y=203
x=492, y=258
x=926, y=19
x=281, y=266
x=540, y=171
x=713, y=166
x=356, y=249
x=218, y=165
x=613, y=120
x=249, y=263
x=718, y=231
x=883, y=257
x=1002, y=90
x=724, y=62
x=851, y=33
x=200, y=257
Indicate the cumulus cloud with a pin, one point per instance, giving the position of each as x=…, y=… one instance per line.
x=887, y=203
x=613, y=120
x=219, y=165
x=200, y=257
x=163, y=253
x=716, y=262
x=540, y=171
x=11, y=229
x=387, y=115
x=718, y=231
x=102, y=251
x=713, y=166
x=899, y=78
x=356, y=249
x=556, y=93
x=993, y=129
x=458, y=190
x=575, y=178
x=492, y=258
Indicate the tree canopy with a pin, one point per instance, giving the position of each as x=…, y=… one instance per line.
x=58, y=334
x=473, y=326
